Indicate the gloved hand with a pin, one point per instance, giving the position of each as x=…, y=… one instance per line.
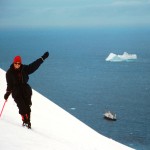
x=6, y=95
x=46, y=54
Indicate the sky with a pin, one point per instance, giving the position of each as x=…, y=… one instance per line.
x=74, y=13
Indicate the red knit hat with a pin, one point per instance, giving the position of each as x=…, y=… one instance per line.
x=17, y=59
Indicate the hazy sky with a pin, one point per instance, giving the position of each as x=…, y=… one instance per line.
x=86, y=13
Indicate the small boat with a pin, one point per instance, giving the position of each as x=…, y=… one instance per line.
x=110, y=116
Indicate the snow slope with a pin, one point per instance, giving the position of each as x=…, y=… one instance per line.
x=52, y=128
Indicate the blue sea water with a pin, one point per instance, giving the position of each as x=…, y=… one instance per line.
x=77, y=77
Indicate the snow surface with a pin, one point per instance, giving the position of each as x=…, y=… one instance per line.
x=124, y=57
x=52, y=128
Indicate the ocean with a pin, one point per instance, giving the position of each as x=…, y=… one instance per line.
x=77, y=78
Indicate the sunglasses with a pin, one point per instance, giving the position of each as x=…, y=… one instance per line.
x=17, y=63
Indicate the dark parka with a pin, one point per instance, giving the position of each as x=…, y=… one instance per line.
x=17, y=84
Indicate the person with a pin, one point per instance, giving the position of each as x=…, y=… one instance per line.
x=17, y=78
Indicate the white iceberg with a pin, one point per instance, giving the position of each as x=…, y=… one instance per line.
x=124, y=57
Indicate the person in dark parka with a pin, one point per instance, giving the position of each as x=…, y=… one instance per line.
x=17, y=78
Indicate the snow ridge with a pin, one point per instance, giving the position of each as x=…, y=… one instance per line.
x=52, y=128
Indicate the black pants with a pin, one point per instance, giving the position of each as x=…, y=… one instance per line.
x=22, y=106
x=22, y=96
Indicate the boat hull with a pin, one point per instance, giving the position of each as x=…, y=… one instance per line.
x=111, y=119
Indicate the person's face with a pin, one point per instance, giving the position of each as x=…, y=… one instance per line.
x=17, y=65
